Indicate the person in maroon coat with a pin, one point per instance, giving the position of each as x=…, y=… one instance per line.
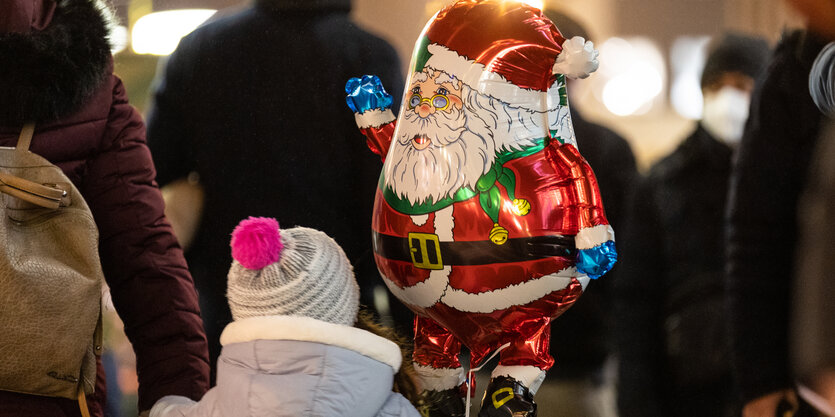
x=58, y=72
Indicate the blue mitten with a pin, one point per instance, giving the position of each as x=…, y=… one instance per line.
x=366, y=94
x=598, y=260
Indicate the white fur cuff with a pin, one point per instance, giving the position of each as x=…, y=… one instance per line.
x=529, y=376
x=374, y=118
x=439, y=379
x=590, y=237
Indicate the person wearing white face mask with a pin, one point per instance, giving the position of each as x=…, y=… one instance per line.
x=727, y=83
x=673, y=350
x=726, y=108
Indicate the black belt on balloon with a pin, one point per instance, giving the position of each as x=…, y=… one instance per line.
x=426, y=251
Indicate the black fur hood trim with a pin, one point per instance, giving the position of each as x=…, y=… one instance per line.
x=47, y=74
x=304, y=5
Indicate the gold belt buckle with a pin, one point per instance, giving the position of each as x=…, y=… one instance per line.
x=419, y=245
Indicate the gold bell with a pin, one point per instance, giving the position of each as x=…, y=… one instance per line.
x=498, y=234
x=521, y=206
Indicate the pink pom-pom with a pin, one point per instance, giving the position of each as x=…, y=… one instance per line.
x=256, y=242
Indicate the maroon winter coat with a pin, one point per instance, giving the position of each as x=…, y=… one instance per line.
x=99, y=143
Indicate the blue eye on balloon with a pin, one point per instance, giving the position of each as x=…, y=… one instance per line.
x=440, y=102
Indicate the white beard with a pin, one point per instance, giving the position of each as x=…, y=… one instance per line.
x=513, y=128
x=463, y=147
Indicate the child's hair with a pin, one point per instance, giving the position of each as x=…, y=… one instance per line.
x=405, y=379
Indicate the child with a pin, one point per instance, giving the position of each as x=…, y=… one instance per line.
x=292, y=349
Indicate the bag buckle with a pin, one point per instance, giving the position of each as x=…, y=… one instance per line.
x=425, y=250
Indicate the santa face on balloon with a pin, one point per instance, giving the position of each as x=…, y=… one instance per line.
x=487, y=221
x=433, y=123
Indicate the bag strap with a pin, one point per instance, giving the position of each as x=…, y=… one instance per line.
x=82, y=404
x=32, y=192
x=25, y=138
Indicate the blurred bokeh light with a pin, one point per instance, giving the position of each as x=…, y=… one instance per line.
x=159, y=33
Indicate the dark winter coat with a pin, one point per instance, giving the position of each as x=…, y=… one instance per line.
x=255, y=104
x=62, y=80
x=674, y=354
x=813, y=321
x=774, y=157
x=581, y=338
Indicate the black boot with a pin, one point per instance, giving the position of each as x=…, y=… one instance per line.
x=446, y=403
x=507, y=397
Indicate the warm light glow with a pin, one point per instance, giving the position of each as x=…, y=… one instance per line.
x=633, y=74
x=539, y=4
x=687, y=58
x=159, y=33
x=118, y=39
x=631, y=92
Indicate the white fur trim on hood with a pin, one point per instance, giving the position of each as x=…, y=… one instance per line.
x=306, y=329
x=170, y=405
x=578, y=58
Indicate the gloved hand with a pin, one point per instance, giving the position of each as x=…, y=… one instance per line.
x=598, y=260
x=366, y=94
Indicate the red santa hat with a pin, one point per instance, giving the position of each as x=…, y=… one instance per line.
x=505, y=49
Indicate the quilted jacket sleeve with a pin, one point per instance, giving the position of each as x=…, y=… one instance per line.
x=143, y=264
x=398, y=406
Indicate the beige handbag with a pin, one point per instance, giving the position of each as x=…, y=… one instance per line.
x=50, y=279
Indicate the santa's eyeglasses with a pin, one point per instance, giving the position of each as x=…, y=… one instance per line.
x=439, y=101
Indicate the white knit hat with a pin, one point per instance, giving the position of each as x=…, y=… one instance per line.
x=291, y=272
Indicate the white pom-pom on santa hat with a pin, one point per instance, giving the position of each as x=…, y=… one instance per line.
x=578, y=58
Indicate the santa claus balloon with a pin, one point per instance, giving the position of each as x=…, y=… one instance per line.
x=487, y=222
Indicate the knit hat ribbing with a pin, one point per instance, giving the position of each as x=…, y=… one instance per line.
x=735, y=52
x=312, y=277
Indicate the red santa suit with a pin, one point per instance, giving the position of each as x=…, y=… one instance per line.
x=488, y=295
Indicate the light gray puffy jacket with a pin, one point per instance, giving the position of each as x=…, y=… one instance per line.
x=297, y=366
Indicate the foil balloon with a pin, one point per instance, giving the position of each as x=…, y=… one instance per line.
x=487, y=222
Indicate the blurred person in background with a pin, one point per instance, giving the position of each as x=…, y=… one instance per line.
x=762, y=227
x=251, y=106
x=581, y=341
x=813, y=320
x=671, y=321
x=57, y=72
